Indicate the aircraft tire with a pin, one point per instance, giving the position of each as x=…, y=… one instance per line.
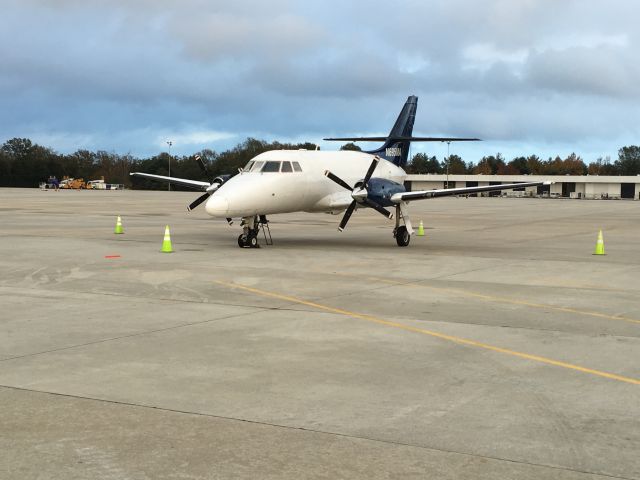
x=402, y=236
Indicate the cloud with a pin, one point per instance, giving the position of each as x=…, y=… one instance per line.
x=600, y=70
x=483, y=56
x=125, y=75
x=229, y=35
x=191, y=137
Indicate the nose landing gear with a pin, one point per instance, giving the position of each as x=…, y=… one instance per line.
x=250, y=229
x=248, y=241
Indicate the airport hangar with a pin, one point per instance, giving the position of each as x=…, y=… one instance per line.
x=569, y=186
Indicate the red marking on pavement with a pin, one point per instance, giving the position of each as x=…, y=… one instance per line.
x=112, y=256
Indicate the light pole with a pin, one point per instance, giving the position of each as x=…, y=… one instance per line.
x=169, y=143
x=448, y=143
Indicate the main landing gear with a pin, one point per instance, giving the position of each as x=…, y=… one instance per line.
x=402, y=233
x=402, y=236
x=250, y=229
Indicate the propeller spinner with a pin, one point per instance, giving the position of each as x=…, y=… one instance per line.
x=359, y=193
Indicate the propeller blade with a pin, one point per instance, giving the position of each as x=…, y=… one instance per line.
x=197, y=201
x=203, y=166
x=372, y=167
x=338, y=180
x=378, y=208
x=347, y=215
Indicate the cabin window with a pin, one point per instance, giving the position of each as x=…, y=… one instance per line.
x=296, y=167
x=247, y=167
x=271, y=167
x=286, y=167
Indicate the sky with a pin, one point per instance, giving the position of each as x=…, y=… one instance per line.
x=543, y=77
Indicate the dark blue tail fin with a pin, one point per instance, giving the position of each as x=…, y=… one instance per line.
x=395, y=148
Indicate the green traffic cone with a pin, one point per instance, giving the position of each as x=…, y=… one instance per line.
x=421, y=229
x=119, y=228
x=166, y=243
x=599, y=245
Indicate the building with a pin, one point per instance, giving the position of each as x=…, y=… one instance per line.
x=585, y=186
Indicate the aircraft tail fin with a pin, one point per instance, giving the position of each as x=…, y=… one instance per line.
x=395, y=148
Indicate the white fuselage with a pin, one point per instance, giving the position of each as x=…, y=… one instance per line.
x=309, y=190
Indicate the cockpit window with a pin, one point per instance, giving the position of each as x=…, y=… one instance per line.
x=271, y=167
x=257, y=166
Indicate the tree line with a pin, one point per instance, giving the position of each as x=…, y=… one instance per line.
x=26, y=164
x=628, y=163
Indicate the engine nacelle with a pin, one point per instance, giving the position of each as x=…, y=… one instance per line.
x=381, y=190
x=221, y=179
x=217, y=183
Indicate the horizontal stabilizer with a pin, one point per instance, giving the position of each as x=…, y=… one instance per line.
x=402, y=139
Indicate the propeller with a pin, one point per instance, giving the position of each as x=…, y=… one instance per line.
x=359, y=193
x=203, y=166
x=198, y=201
x=210, y=189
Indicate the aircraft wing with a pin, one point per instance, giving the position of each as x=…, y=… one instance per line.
x=446, y=192
x=195, y=184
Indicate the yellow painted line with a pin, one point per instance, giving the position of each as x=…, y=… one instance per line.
x=451, y=338
x=492, y=298
x=512, y=301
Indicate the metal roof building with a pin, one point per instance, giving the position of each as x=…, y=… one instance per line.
x=585, y=186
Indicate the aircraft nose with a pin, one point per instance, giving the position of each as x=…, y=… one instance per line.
x=217, y=206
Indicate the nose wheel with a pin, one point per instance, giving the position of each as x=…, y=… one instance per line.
x=251, y=228
x=248, y=241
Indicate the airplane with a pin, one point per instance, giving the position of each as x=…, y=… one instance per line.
x=286, y=181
